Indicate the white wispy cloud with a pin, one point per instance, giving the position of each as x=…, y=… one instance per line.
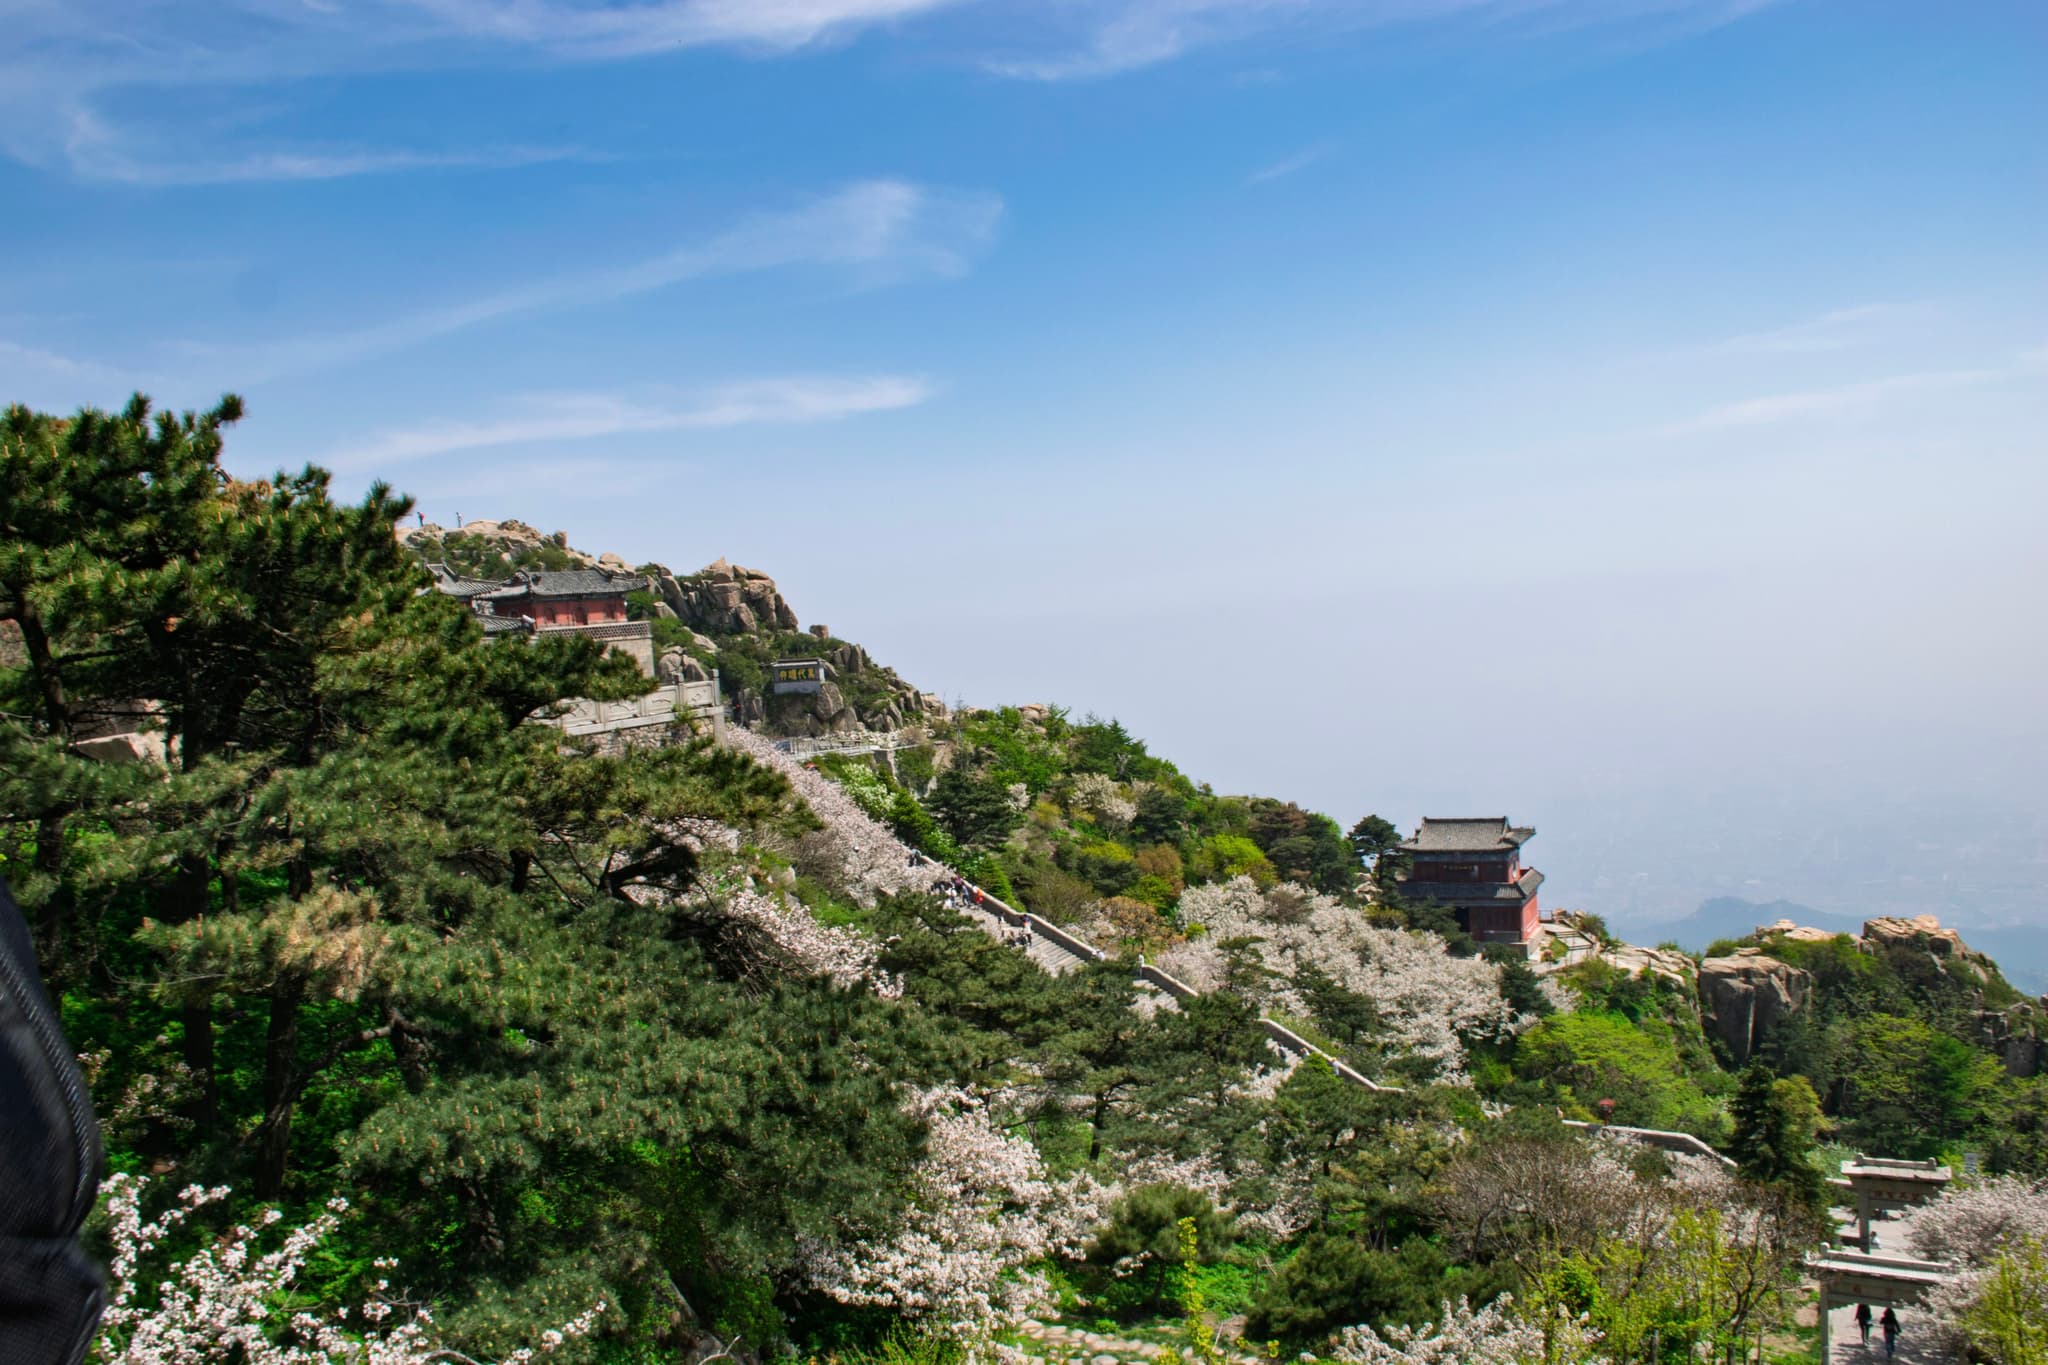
x=1288, y=165
x=1131, y=34
x=66, y=63
x=588, y=416
x=98, y=151
x=15, y=354
x=1835, y=330
x=606, y=31
x=880, y=230
x=1856, y=398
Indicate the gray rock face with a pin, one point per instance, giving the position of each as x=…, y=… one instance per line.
x=1635, y=961
x=2016, y=1036
x=1747, y=994
x=674, y=666
x=725, y=599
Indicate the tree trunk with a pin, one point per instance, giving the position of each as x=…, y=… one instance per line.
x=49, y=859
x=522, y=871
x=185, y=901
x=280, y=1087
x=198, y=1021
x=411, y=1051
x=49, y=686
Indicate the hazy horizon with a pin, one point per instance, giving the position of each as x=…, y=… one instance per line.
x=1625, y=416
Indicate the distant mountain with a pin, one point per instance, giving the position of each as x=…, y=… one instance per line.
x=2021, y=952
x=1733, y=917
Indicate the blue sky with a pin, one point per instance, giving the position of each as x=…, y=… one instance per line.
x=1626, y=414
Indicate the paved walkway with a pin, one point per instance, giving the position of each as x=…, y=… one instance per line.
x=1915, y=1344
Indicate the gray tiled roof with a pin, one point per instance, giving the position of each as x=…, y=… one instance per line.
x=503, y=625
x=455, y=585
x=1474, y=893
x=566, y=583
x=1491, y=835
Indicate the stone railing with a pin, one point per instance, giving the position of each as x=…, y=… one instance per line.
x=1023, y=919
x=663, y=706
x=849, y=742
x=1652, y=1137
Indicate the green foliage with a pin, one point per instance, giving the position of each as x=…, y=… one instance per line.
x=975, y=810
x=1336, y=1281
x=1914, y=1087
x=1301, y=846
x=2007, y=1320
x=1138, y=1255
x=1774, y=1133
x=1519, y=984
x=1586, y=1058
x=916, y=767
x=1371, y=839
x=374, y=931
x=1223, y=856
x=1010, y=751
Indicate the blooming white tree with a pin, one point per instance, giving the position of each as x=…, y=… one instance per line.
x=222, y=1303
x=981, y=1209
x=1275, y=1208
x=1487, y=1336
x=1099, y=795
x=1996, y=1233
x=1427, y=997
x=871, y=859
x=844, y=954
x=1975, y=1222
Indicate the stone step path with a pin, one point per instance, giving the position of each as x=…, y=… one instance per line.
x=1051, y=947
x=1075, y=1344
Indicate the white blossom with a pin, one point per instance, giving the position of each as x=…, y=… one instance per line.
x=1275, y=1208
x=1488, y=1336
x=1972, y=1227
x=1427, y=998
x=981, y=1210
x=844, y=954
x=870, y=858
x=1975, y=1223
x=1100, y=797
x=219, y=1304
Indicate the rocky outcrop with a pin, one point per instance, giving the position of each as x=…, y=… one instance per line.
x=1943, y=946
x=1747, y=994
x=2019, y=1036
x=674, y=666
x=1672, y=966
x=508, y=537
x=1798, y=933
x=725, y=599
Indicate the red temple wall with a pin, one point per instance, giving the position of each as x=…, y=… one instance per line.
x=565, y=611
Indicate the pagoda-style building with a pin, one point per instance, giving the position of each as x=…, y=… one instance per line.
x=1475, y=868
x=535, y=602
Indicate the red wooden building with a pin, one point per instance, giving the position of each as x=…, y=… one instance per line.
x=537, y=602
x=1475, y=868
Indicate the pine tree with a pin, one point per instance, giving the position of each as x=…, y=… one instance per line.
x=1773, y=1138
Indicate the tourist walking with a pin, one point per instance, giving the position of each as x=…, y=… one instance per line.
x=1890, y=1323
x=1863, y=1323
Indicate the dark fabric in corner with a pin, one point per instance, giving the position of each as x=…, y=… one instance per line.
x=50, y=1291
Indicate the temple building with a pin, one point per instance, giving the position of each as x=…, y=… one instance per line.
x=1475, y=868
x=536, y=602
